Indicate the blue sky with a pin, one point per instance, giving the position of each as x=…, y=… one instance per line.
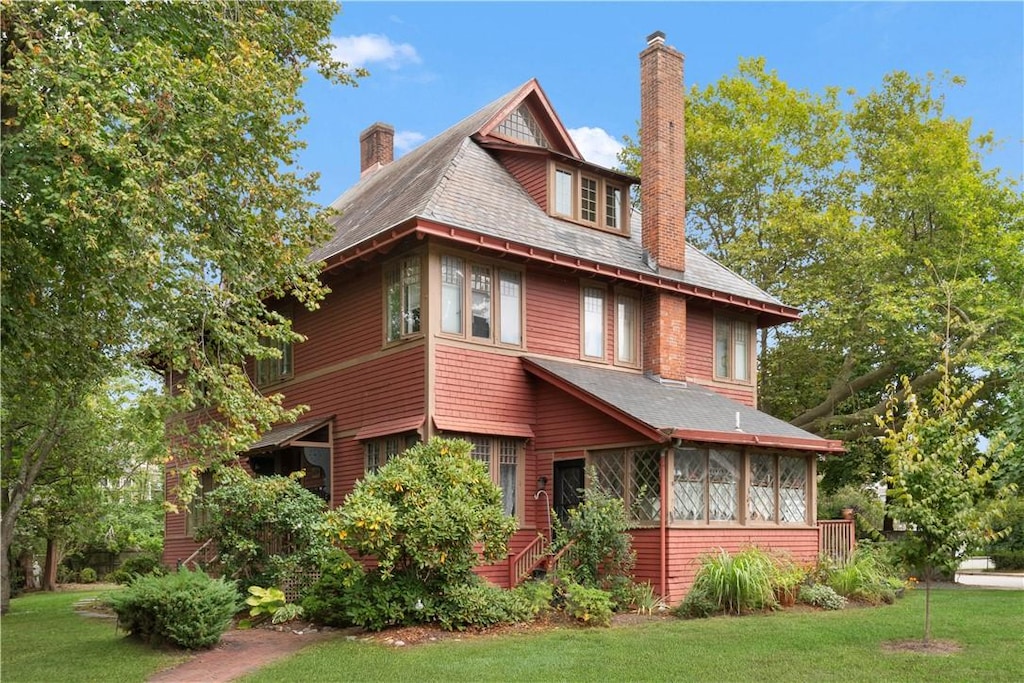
x=434, y=63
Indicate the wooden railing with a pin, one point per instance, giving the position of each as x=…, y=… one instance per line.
x=563, y=555
x=837, y=538
x=202, y=556
x=526, y=560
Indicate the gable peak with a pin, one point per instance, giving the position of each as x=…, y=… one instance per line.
x=527, y=118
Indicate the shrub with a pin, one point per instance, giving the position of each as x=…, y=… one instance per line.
x=426, y=516
x=642, y=599
x=865, y=577
x=1007, y=559
x=87, y=575
x=602, y=556
x=864, y=502
x=696, y=605
x=188, y=609
x=822, y=596
x=537, y=595
x=1007, y=552
x=736, y=583
x=143, y=564
x=265, y=528
x=481, y=604
x=590, y=606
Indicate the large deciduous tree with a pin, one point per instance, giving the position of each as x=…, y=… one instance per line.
x=150, y=210
x=878, y=220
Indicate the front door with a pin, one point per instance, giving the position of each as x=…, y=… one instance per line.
x=567, y=487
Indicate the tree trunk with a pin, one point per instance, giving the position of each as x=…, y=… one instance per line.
x=52, y=560
x=927, y=605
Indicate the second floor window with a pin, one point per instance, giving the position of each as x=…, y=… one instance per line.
x=588, y=199
x=402, y=298
x=733, y=349
x=627, y=329
x=593, y=322
x=273, y=370
x=486, y=299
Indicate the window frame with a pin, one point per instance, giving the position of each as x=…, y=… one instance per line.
x=271, y=371
x=406, y=318
x=494, y=465
x=745, y=516
x=733, y=322
x=637, y=336
x=602, y=187
x=595, y=287
x=628, y=468
x=497, y=273
x=386, y=447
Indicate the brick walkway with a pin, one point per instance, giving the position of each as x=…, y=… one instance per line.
x=240, y=652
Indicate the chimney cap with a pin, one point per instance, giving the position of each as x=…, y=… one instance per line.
x=656, y=38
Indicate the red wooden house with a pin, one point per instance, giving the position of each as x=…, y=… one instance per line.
x=494, y=285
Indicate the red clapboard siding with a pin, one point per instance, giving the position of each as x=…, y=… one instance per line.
x=564, y=422
x=532, y=174
x=553, y=314
x=478, y=385
x=686, y=546
x=347, y=324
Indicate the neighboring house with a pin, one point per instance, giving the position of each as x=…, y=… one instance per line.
x=495, y=286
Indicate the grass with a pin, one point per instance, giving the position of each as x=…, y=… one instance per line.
x=784, y=646
x=44, y=639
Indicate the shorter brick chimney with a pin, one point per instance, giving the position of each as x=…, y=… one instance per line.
x=376, y=147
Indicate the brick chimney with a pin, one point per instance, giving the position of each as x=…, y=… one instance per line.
x=663, y=204
x=663, y=153
x=376, y=147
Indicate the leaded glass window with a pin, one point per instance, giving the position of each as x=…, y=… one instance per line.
x=520, y=125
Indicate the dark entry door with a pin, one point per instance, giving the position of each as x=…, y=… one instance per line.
x=568, y=482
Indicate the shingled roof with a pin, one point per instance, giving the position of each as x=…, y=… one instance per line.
x=674, y=410
x=452, y=180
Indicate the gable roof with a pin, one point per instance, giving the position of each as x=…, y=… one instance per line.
x=451, y=180
x=664, y=411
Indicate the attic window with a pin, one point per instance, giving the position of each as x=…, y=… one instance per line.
x=520, y=125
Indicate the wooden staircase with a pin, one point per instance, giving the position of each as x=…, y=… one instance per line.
x=535, y=558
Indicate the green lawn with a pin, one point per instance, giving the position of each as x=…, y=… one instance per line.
x=42, y=639
x=785, y=646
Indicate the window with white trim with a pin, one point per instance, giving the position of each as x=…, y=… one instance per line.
x=588, y=198
x=402, y=298
x=378, y=451
x=733, y=349
x=493, y=300
x=503, y=457
x=593, y=322
x=627, y=329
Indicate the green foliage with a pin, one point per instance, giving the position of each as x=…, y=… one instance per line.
x=87, y=575
x=823, y=596
x=265, y=528
x=865, y=577
x=602, y=555
x=329, y=600
x=151, y=215
x=189, y=609
x=1008, y=551
x=642, y=599
x=696, y=605
x=423, y=513
x=589, y=606
x=864, y=501
x=537, y=595
x=423, y=517
x=271, y=603
x=737, y=583
x=940, y=485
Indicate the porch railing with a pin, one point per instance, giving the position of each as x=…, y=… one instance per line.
x=837, y=538
x=200, y=557
x=527, y=560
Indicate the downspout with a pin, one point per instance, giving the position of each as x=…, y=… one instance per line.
x=664, y=524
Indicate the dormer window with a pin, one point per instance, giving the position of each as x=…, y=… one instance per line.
x=587, y=198
x=522, y=127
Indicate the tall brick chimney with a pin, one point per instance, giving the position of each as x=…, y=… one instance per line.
x=663, y=203
x=376, y=147
x=663, y=153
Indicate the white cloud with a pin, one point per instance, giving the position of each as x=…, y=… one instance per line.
x=406, y=140
x=597, y=146
x=360, y=51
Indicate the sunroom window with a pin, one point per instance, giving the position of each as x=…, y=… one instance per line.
x=634, y=475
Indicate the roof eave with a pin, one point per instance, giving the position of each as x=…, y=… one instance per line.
x=760, y=440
